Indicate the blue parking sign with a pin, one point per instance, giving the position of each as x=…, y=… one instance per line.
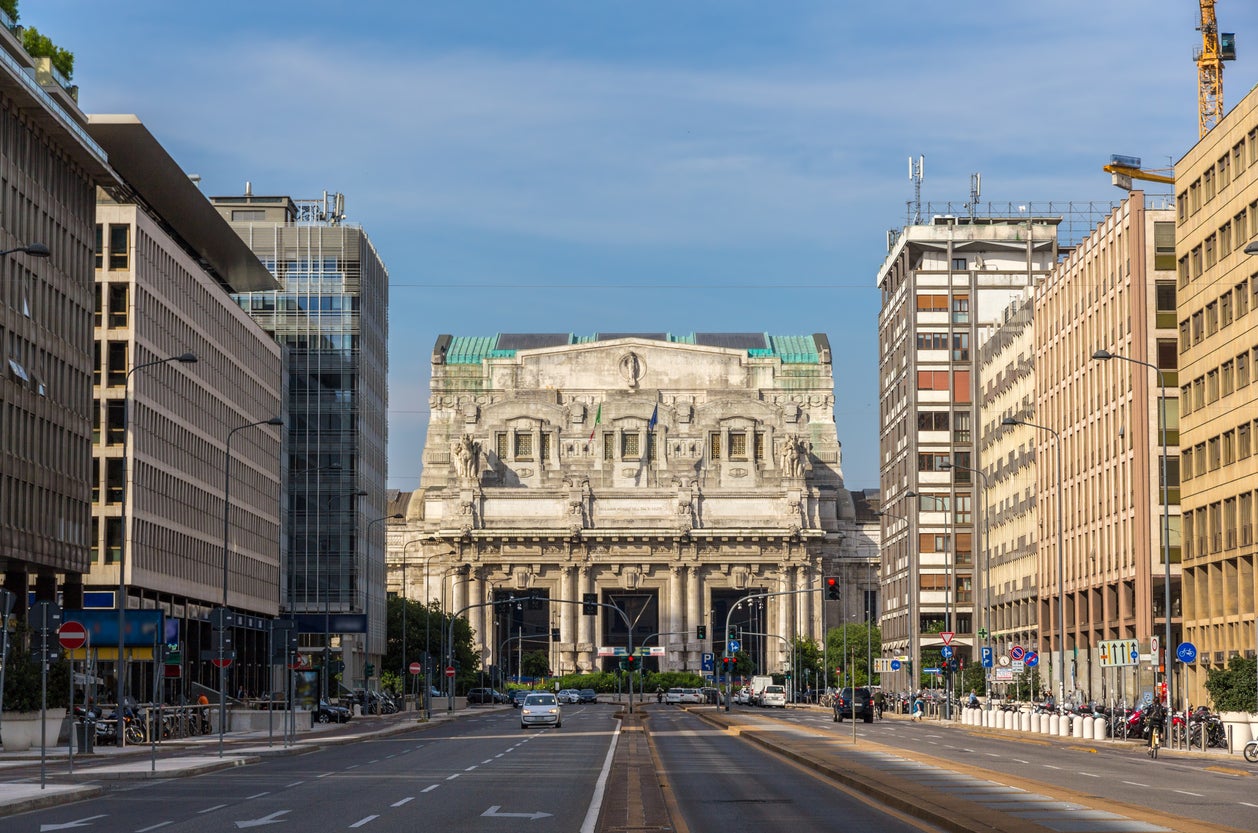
x=987, y=657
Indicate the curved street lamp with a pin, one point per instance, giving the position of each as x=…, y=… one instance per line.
x=32, y=249
x=183, y=358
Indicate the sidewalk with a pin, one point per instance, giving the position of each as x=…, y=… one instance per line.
x=20, y=788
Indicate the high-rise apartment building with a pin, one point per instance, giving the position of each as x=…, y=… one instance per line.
x=941, y=282
x=49, y=167
x=1216, y=215
x=1102, y=561
x=1006, y=385
x=165, y=265
x=330, y=313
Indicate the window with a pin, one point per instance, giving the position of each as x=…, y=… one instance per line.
x=523, y=446
x=932, y=542
x=932, y=380
x=1241, y=297
x=113, y=480
x=961, y=309
x=1225, y=239
x=758, y=451
x=737, y=445
x=961, y=431
x=115, y=421
x=958, y=264
x=714, y=445
x=1184, y=341
x=1194, y=263
x=1225, y=309
x=1242, y=369
x=119, y=246
x=609, y=446
x=629, y=446
x=1243, y=447
x=1212, y=386
x=1165, y=296
x=1229, y=448
x=118, y=293
x=1186, y=464
x=932, y=341
x=1168, y=355
x=116, y=364
x=1164, y=247
x=100, y=246
x=960, y=347
x=965, y=510
x=500, y=445
x=1198, y=326
x=932, y=420
x=961, y=386
x=1225, y=170
x=544, y=453
x=1185, y=398
x=1212, y=453
x=1226, y=371
x=1212, y=318
x=931, y=461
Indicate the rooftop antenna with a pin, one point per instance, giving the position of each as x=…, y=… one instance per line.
x=916, y=170
x=976, y=183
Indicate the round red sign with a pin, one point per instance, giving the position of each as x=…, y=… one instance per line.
x=72, y=635
x=415, y=668
x=221, y=663
x=449, y=670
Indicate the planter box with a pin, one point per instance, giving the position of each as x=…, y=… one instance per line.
x=19, y=731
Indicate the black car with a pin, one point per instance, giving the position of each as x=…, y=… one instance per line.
x=589, y=695
x=855, y=703
x=485, y=695
x=517, y=696
x=328, y=713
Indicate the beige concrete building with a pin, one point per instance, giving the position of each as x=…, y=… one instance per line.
x=1216, y=196
x=165, y=264
x=1007, y=386
x=668, y=475
x=941, y=283
x=1113, y=291
x=50, y=167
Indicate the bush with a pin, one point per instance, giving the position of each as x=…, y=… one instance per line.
x=1235, y=688
x=21, y=680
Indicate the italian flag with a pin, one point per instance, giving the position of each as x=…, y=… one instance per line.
x=598, y=417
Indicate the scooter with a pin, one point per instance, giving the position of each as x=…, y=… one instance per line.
x=1251, y=751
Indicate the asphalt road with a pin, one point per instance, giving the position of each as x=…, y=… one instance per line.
x=721, y=784
x=1211, y=789
x=475, y=775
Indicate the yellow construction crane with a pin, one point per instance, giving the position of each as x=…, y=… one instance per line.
x=1215, y=49
x=1124, y=169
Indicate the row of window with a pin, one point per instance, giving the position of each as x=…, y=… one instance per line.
x=1218, y=176
x=119, y=236
x=1230, y=376
x=1223, y=525
x=1220, y=450
x=938, y=302
x=1233, y=304
x=736, y=446
x=939, y=380
x=939, y=341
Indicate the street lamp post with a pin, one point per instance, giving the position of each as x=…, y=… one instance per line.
x=911, y=628
x=184, y=358
x=327, y=617
x=1061, y=557
x=987, y=573
x=1105, y=355
x=950, y=555
x=227, y=502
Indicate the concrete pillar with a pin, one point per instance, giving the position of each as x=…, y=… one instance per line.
x=696, y=610
x=676, y=589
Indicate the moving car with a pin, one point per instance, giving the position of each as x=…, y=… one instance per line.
x=569, y=695
x=517, y=696
x=328, y=713
x=857, y=702
x=589, y=695
x=773, y=696
x=541, y=709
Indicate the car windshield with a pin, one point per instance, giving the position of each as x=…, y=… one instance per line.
x=540, y=700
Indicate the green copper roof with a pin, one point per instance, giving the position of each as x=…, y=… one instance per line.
x=789, y=349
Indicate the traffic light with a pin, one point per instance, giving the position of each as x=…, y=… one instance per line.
x=369, y=670
x=554, y=634
x=702, y=632
x=733, y=631
x=833, y=593
x=631, y=663
x=589, y=604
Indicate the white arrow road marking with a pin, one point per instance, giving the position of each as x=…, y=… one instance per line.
x=271, y=818
x=66, y=825
x=493, y=813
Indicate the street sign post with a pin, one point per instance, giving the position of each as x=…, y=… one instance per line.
x=415, y=668
x=72, y=636
x=987, y=657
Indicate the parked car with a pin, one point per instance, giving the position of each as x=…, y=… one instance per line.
x=569, y=695
x=857, y=702
x=541, y=709
x=773, y=697
x=689, y=695
x=328, y=713
x=589, y=695
x=517, y=696
x=485, y=695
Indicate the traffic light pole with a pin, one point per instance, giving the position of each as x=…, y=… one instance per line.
x=726, y=654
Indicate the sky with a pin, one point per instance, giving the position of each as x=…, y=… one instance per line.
x=646, y=165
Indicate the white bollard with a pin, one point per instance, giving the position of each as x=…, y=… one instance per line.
x=1035, y=723
x=1024, y=720
x=1101, y=730
x=1078, y=727
x=1063, y=728
x=1054, y=724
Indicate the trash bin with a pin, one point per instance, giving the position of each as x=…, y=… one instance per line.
x=84, y=736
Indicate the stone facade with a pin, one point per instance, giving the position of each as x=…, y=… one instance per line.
x=666, y=475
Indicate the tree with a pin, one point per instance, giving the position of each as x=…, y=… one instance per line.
x=22, y=678
x=1234, y=689
x=38, y=45
x=9, y=7
x=864, y=641
x=535, y=664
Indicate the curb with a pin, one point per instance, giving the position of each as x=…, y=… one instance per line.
x=39, y=802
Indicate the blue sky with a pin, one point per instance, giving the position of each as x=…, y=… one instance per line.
x=715, y=165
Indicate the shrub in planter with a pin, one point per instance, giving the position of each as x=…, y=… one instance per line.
x=21, y=679
x=1235, y=688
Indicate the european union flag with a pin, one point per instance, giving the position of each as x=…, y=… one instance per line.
x=655, y=417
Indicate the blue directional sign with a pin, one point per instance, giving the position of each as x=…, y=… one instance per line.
x=987, y=657
x=895, y=665
x=734, y=646
x=707, y=661
x=931, y=670
x=1187, y=652
x=1032, y=659
x=946, y=652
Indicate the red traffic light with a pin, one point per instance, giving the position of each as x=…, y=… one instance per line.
x=833, y=592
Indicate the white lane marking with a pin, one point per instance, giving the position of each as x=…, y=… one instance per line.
x=153, y=827
x=324, y=775
x=256, y=795
x=1135, y=783
x=361, y=822
x=430, y=789
x=452, y=777
x=1247, y=804
x=1050, y=766
x=596, y=800
x=1019, y=760
x=991, y=754
x=211, y=809
x=376, y=761
x=1186, y=792
x=470, y=768
x=500, y=754
x=406, y=800
x=353, y=766
x=294, y=784
x=487, y=761
x=390, y=756
x=1090, y=775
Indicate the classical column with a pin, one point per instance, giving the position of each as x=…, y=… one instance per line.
x=785, y=616
x=585, y=627
x=676, y=593
x=567, y=617
x=695, y=613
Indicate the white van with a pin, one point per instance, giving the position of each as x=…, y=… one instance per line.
x=773, y=696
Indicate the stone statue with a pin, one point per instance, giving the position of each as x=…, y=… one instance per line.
x=790, y=457
x=467, y=455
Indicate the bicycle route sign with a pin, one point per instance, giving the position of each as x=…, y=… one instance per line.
x=1186, y=652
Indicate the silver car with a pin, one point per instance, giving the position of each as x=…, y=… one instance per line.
x=541, y=710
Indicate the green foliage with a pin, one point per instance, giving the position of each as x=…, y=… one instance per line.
x=674, y=679
x=22, y=683
x=863, y=639
x=536, y=664
x=10, y=8
x=973, y=678
x=1235, y=688
x=38, y=45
